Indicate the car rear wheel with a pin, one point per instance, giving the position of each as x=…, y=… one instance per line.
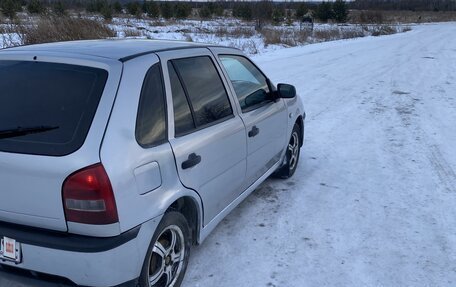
x=292, y=155
x=167, y=257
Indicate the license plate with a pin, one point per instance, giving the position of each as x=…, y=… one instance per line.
x=10, y=250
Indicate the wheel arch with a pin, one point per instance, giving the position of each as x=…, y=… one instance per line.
x=300, y=122
x=191, y=209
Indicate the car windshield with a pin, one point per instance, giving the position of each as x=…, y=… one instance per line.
x=47, y=108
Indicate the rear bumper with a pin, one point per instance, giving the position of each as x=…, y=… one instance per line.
x=65, y=241
x=85, y=261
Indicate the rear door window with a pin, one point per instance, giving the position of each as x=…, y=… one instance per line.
x=204, y=89
x=47, y=108
x=183, y=120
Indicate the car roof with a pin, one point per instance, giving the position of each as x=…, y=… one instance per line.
x=119, y=49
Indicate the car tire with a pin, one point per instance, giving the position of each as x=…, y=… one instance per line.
x=167, y=256
x=292, y=155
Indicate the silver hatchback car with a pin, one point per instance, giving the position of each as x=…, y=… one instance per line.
x=117, y=155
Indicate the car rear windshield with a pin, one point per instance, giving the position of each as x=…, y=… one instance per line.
x=47, y=108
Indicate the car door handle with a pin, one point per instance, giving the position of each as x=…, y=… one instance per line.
x=192, y=160
x=254, y=131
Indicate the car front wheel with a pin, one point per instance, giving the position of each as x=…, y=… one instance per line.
x=292, y=155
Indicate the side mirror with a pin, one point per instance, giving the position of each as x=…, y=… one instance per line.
x=286, y=91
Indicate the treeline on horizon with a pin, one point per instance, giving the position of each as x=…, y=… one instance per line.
x=262, y=11
x=411, y=5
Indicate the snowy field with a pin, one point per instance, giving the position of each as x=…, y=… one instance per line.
x=221, y=31
x=373, y=200
x=242, y=34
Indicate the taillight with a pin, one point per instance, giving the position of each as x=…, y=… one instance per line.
x=88, y=197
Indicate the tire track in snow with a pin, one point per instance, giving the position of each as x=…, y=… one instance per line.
x=444, y=171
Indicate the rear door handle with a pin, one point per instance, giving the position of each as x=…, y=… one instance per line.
x=254, y=131
x=192, y=160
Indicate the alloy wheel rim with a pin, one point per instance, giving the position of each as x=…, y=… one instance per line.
x=167, y=257
x=293, y=149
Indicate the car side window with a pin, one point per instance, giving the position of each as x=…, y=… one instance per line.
x=249, y=84
x=151, y=118
x=199, y=81
x=183, y=120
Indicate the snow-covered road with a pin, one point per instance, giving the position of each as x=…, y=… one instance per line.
x=373, y=202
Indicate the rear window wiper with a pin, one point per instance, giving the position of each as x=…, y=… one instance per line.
x=22, y=131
